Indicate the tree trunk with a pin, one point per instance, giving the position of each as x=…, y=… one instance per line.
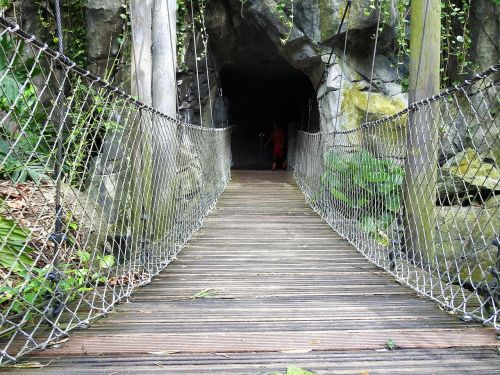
x=422, y=136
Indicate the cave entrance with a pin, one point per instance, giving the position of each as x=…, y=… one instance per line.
x=259, y=95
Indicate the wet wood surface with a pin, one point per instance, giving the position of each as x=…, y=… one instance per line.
x=285, y=290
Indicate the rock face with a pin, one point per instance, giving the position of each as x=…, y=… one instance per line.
x=104, y=24
x=485, y=27
x=256, y=33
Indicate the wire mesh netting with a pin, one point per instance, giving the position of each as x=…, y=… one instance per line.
x=418, y=193
x=98, y=192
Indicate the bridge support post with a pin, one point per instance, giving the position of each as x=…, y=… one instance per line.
x=422, y=136
x=166, y=139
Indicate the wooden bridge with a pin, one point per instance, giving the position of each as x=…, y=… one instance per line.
x=267, y=284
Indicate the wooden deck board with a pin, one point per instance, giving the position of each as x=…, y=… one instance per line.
x=290, y=292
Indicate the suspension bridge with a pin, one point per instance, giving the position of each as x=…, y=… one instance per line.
x=327, y=269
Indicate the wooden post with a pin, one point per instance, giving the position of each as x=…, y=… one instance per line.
x=141, y=132
x=142, y=66
x=164, y=95
x=164, y=59
x=422, y=134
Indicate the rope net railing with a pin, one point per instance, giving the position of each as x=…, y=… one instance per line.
x=98, y=192
x=418, y=194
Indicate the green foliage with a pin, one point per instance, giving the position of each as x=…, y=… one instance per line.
x=284, y=10
x=390, y=344
x=79, y=274
x=368, y=186
x=294, y=370
x=88, y=127
x=17, y=164
x=5, y=4
x=27, y=282
x=15, y=70
x=182, y=30
x=455, y=41
x=25, y=155
x=185, y=25
x=14, y=249
x=35, y=287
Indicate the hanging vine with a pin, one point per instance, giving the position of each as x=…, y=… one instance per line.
x=456, y=40
x=74, y=27
x=285, y=11
x=185, y=26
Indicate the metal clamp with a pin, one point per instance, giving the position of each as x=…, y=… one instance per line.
x=58, y=238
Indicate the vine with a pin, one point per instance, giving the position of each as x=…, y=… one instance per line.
x=182, y=28
x=456, y=40
x=185, y=26
x=74, y=27
x=285, y=11
x=5, y=4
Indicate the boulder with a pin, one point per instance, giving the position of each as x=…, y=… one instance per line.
x=466, y=172
x=463, y=242
x=450, y=187
x=468, y=166
x=307, y=18
x=453, y=133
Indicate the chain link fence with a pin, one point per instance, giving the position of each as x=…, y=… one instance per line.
x=418, y=193
x=98, y=192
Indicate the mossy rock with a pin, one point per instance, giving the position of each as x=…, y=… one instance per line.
x=331, y=12
x=493, y=202
x=468, y=166
x=327, y=18
x=384, y=140
x=463, y=246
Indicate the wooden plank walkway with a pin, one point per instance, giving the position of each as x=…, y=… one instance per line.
x=289, y=292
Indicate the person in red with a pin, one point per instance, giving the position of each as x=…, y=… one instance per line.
x=278, y=139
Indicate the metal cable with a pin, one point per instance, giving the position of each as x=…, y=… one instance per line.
x=374, y=55
x=354, y=180
x=196, y=63
x=205, y=45
x=348, y=5
x=102, y=170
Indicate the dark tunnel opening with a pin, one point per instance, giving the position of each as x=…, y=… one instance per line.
x=260, y=95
